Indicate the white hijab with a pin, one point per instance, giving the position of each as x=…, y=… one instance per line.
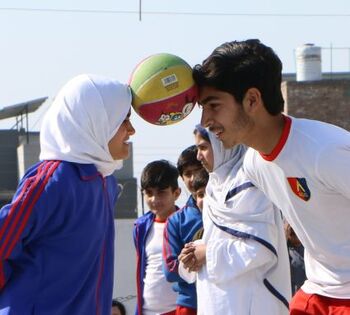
x=247, y=215
x=85, y=115
x=226, y=164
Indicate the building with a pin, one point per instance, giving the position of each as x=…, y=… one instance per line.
x=327, y=99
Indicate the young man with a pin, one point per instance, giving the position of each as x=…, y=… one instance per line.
x=57, y=234
x=302, y=165
x=179, y=230
x=160, y=189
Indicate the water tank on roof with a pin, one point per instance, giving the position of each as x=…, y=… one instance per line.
x=308, y=59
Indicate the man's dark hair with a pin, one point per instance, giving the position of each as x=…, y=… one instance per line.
x=237, y=66
x=188, y=157
x=200, y=179
x=120, y=305
x=159, y=174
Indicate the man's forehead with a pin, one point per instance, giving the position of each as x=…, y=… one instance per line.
x=205, y=99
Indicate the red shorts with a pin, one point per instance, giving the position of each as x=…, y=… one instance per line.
x=314, y=304
x=182, y=310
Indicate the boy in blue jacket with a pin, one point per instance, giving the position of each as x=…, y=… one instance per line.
x=160, y=189
x=179, y=230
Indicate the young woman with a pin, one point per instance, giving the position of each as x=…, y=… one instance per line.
x=242, y=259
x=57, y=234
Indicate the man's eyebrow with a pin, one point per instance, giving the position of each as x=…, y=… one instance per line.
x=208, y=99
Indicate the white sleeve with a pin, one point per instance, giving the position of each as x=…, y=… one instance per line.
x=248, y=165
x=229, y=258
x=188, y=276
x=333, y=168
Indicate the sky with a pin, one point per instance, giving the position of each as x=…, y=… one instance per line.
x=45, y=43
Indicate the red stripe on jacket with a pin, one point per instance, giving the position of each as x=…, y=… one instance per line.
x=46, y=169
x=171, y=264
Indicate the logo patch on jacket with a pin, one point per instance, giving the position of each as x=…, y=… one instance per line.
x=299, y=187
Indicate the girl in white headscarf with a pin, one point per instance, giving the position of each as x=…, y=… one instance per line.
x=57, y=234
x=242, y=259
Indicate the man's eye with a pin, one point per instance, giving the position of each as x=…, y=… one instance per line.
x=214, y=106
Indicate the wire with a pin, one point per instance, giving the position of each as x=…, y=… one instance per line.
x=176, y=13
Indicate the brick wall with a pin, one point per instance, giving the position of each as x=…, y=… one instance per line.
x=325, y=100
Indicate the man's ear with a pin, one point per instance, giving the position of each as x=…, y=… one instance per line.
x=252, y=100
x=177, y=192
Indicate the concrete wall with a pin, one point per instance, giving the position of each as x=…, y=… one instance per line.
x=8, y=160
x=27, y=155
x=325, y=100
x=125, y=265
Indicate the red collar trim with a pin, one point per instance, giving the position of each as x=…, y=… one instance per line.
x=159, y=220
x=282, y=141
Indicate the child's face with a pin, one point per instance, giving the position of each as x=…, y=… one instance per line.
x=115, y=311
x=204, y=152
x=188, y=176
x=161, y=201
x=119, y=146
x=199, y=196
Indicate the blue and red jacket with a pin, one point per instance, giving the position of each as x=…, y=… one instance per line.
x=140, y=232
x=141, y=229
x=179, y=230
x=57, y=242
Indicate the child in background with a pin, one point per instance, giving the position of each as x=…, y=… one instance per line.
x=179, y=230
x=200, y=181
x=160, y=189
x=188, y=165
x=199, y=184
x=118, y=308
x=296, y=258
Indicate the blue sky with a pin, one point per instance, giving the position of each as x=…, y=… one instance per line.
x=45, y=43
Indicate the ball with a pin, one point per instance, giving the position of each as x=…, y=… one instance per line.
x=163, y=90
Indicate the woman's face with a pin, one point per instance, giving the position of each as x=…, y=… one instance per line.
x=204, y=152
x=119, y=145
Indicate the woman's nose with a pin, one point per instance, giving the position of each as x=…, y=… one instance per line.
x=131, y=129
